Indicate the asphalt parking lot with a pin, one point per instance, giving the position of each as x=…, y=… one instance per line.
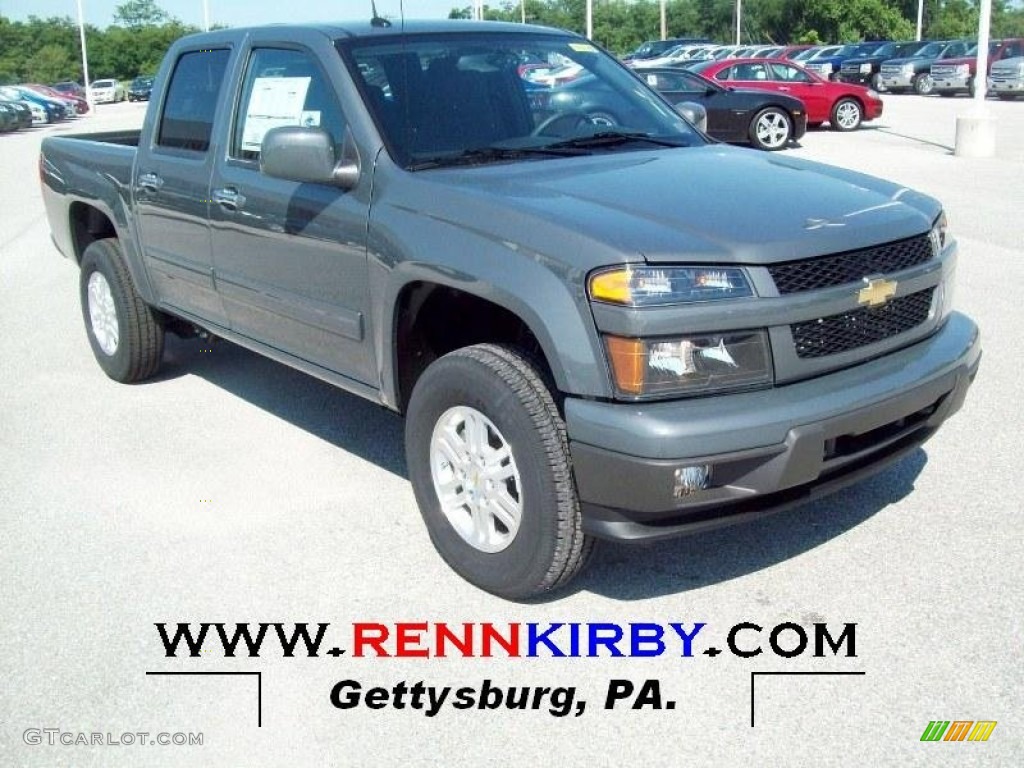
x=233, y=489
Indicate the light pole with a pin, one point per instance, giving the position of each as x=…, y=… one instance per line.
x=590, y=19
x=206, y=15
x=739, y=16
x=975, y=129
x=664, y=26
x=920, y=16
x=85, y=58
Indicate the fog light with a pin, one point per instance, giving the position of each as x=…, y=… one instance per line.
x=690, y=480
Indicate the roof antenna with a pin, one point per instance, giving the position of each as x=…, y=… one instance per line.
x=377, y=21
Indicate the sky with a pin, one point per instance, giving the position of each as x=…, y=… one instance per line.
x=235, y=13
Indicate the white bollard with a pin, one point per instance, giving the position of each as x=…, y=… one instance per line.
x=975, y=135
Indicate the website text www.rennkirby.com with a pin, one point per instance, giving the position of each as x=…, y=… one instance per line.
x=747, y=640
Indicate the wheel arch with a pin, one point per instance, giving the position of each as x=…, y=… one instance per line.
x=88, y=222
x=430, y=319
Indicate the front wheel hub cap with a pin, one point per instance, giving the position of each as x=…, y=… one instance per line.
x=476, y=479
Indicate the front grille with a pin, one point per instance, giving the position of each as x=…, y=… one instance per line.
x=891, y=69
x=851, y=266
x=943, y=69
x=860, y=327
x=1003, y=77
x=851, y=68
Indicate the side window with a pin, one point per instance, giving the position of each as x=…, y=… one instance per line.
x=191, y=102
x=749, y=72
x=283, y=87
x=789, y=74
x=726, y=74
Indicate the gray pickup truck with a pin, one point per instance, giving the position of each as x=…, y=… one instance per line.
x=594, y=330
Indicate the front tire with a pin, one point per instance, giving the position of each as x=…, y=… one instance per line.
x=923, y=84
x=488, y=458
x=846, y=115
x=771, y=129
x=125, y=333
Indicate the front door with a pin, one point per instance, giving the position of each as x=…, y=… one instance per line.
x=291, y=257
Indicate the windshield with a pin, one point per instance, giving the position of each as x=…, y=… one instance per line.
x=103, y=84
x=993, y=46
x=931, y=51
x=805, y=54
x=450, y=98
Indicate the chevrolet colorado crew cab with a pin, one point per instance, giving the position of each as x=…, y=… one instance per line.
x=594, y=330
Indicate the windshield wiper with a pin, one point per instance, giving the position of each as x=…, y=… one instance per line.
x=480, y=155
x=613, y=139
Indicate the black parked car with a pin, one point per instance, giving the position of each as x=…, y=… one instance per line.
x=140, y=89
x=763, y=119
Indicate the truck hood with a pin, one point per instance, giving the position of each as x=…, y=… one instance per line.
x=913, y=60
x=865, y=60
x=712, y=204
x=1008, y=64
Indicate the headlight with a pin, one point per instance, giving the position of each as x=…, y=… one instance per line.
x=963, y=69
x=647, y=286
x=692, y=365
x=908, y=69
x=865, y=69
x=826, y=69
x=938, y=233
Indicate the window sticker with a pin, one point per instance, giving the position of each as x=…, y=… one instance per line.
x=275, y=101
x=310, y=118
x=583, y=47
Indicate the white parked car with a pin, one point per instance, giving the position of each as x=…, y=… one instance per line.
x=107, y=91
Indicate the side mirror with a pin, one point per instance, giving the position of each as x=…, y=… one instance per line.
x=694, y=114
x=306, y=154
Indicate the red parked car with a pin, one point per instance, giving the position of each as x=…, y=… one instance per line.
x=844, y=106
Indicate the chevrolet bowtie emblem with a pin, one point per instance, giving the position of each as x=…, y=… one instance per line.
x=876, y=292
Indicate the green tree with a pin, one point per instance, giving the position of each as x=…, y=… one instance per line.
x=135, y=14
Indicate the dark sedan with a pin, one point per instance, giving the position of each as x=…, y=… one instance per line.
x=766, y=120
x=140, y=89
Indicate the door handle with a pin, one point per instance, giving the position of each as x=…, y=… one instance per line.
x=149, y=182
x=784, y=89
x=229, y=198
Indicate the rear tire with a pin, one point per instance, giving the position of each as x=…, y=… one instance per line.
x=846, y=115
x=771, y=129
x=125, y=333
x=488, y=458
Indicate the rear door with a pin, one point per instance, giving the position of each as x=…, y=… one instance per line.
x=291, y=257
x=172, y=182
x=793, y=81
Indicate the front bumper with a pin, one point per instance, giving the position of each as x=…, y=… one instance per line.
x=897, y=80
x=768, y=450
x=855, y=78
x=1006, y=85
x=951, y=82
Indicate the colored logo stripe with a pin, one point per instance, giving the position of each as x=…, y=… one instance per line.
x=958, y=730
x=982, y=730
